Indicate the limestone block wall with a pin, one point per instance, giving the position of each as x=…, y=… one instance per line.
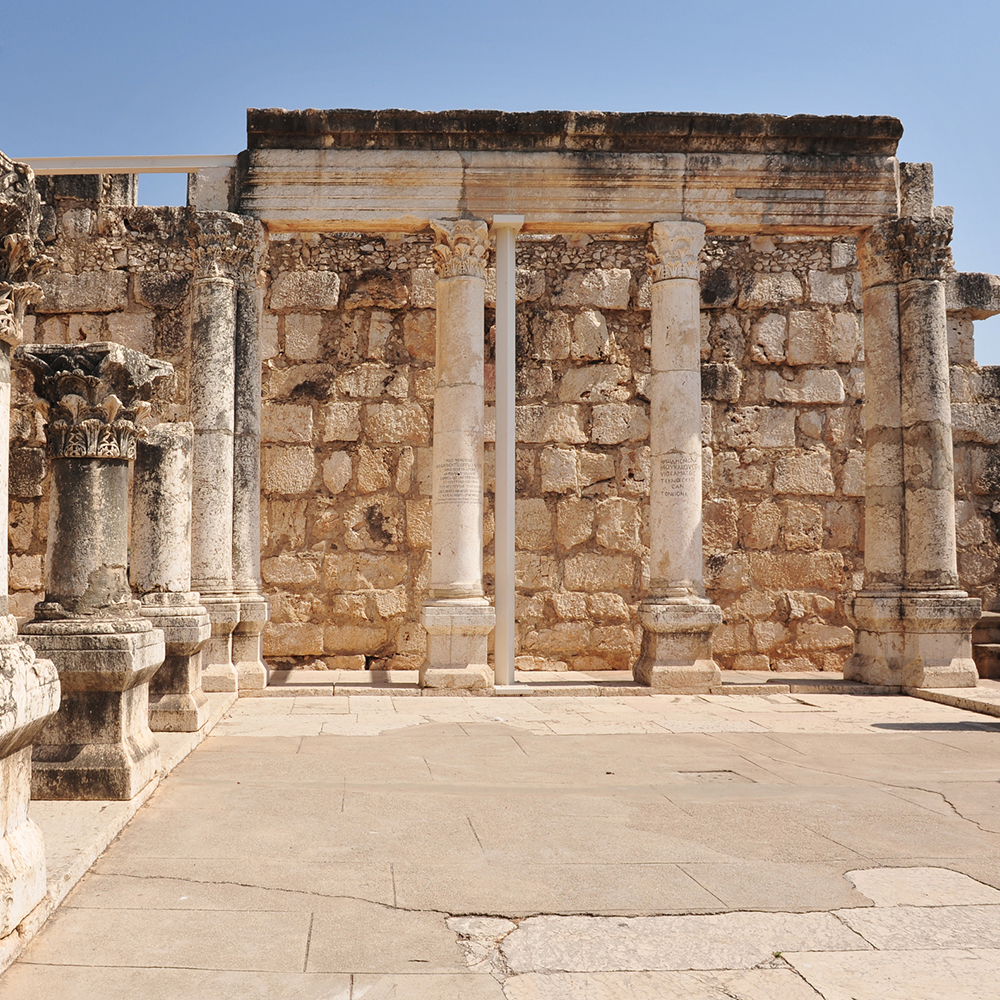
x=348, y=341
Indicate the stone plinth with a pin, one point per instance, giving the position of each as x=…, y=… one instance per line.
x=29, y=697
x=676, y=651
x=160, y=570
x=177, y=702
x=914, y=640
x=99, y=745
x=457, y=635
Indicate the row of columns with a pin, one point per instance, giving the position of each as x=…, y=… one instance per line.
x=913, y=621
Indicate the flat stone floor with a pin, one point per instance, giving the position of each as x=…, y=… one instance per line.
x=780, y=847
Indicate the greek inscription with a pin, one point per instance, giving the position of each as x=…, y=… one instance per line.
x=458, y=481
x=680, y=475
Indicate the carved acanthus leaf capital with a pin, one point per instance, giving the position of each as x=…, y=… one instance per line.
x=903, y=249
x=92, y=396
x=21, y=257
x=460, y=248
x=674, y=248
x=225, y=245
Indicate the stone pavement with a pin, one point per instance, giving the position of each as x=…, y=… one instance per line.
x=780, y=847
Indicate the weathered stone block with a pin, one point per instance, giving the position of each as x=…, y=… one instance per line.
x=592, y=571
x=595, y=384
x=379, y=291
x=765, y=291
x=337, y=472
x=827, y=288
x=397, y=423
x=768, y=336
x=809, y=336
x=606, y=288
x=759, y=427
x=853, y=475
x=532, y=525
x=845, y=338
x=782, y=571
x=351, y=571
x=312, y=290
x=552, y=334
x=288, y=470
x=608, y=607
x=533, y=571
x=721, y=381
x=370, y=640
x=537, y=423
x=574, y=521
x=286, y=423
x=290, y=569
x=806, y=472
x=342, y=421
x=133, y=329
x=302, y=336
x=27, y=470
x=720, y=525
x=419, y=333
x=293, y=639
x=614, y=423
x=89, y=292
x=590, y=336
x=806, y=387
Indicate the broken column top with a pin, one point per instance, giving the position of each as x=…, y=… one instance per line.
x=96, y=393
x=647, y=131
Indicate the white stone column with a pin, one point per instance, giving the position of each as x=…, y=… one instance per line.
x=677, y=620
x=160, y=572
x=247, y=648
x=29, y=696
x=914, y=624
x=458, y=618
x=218, y=239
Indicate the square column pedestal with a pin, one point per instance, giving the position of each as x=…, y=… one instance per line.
x=98, y=745
x=457, y=636
x=177, y=702
x=914, y=640
x=676, y=653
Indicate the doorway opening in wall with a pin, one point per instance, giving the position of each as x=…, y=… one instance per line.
x=162, y=190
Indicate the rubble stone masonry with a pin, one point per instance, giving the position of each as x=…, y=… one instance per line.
x=347, y=348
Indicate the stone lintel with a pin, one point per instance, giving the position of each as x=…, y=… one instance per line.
x=650, y=131
x=975, y=295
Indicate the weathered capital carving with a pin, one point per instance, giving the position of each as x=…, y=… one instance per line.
x=21, y=257
x=903, y=249
x=674, y=249
x=460, y=247
x=93, y=396
x=225, y=245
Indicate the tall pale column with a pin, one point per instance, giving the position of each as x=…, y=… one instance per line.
x=219, y=250
x=677, y=620
x=458, y=618
x=160, y=572
x=98, y=745
x=914, y=623
x=29, y=693
x=247, y=648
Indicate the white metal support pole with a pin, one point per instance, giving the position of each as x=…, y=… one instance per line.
x=505, y=228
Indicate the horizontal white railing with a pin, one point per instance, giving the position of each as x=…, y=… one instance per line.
x=43, y=165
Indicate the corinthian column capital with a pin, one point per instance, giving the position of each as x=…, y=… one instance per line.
x=903, y=249
x=460, y=248
x=674, y=248
x=225, y=245
x=21, y=257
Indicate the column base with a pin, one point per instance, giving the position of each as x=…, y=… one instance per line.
x=914, y=639
x=248, y=642
x=676, y=654
x=457, y=635
x=218, y=672
x=177, y=701
x=98, y=745
x=30, y=699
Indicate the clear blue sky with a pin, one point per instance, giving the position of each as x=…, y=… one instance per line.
x=109, y=77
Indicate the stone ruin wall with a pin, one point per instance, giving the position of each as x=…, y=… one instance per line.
x=347, y=335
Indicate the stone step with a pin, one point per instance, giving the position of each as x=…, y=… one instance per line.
x=987, y=629
x=987, y=657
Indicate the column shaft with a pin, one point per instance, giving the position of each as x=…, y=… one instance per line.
x=677, y=620
x=914, y=626
x=458, y=618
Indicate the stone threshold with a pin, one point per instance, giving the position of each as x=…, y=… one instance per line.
x=547, y=683
x=77, y=833
x=983, y=698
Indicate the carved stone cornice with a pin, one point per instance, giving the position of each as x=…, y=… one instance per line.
x=904, y=249
x=674, y=248
x=460, y=248
x=225, y=245
x=92, y=396
x=21, y=257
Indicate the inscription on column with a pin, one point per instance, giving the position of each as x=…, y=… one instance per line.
x=458, y=481
x=680, y=475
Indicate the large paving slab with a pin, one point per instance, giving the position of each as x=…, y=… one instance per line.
x=380, y=845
